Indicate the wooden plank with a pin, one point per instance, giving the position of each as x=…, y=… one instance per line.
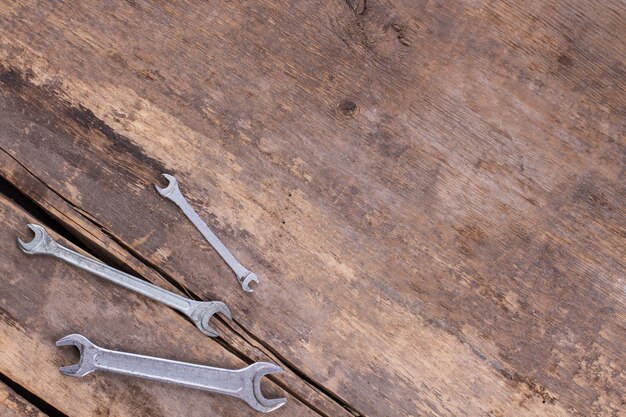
x=44, y=300
x=92, y=236
x=432, y=195
x=14, y=405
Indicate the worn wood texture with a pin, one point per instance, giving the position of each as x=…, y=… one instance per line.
x=14, y=405
x=432, y=194
x=46, y=300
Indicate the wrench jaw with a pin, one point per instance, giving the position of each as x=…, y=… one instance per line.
x=87, y=350
x=202, y=313
x=252, y=393
x=247, y=279
x=172, y=187
x=42, y=243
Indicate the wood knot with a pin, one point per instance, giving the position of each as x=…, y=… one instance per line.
x=357, y=5
x=347, y=107
x=400, y=31
x=565, y=60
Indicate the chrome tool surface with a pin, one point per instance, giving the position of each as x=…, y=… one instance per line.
x=244, y=383
x=172, y=192
x=198, y=311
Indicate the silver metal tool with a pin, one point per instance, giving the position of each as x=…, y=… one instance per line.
x=199, y=312
x=244, y=384
x=173, y=193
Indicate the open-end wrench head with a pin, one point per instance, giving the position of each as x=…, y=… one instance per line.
x=253, y=394
x=41, y=243
x=172, y=186
x=247, y=279
x=203, y=312
x=87, y=352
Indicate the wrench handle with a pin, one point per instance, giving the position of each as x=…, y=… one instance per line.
x=223, y=381
x=123, y=279
x=177, y=197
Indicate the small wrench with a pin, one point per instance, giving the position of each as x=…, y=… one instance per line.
x=172, y=192
x=244, y=384
x=199, y=312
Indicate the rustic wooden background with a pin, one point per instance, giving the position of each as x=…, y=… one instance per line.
x=431, y=192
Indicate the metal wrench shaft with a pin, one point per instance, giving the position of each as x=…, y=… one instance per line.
x=218, y=380
x=240, y=383
x=199, y=312
x=172, y=192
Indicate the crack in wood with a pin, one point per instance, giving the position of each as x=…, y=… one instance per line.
x=31, y=397
x=302, y=375
x=30, y=205
x=281, y=358
x=85, y=119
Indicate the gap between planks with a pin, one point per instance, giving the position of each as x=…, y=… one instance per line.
x=59, y=224
x=31, y=398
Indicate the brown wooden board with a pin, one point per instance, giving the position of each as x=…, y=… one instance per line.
x=431, y=193
x=14, y=405
x=44, y=299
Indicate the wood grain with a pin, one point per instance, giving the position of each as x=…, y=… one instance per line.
x=44, y=300
x=432, y=194
x=14, y=405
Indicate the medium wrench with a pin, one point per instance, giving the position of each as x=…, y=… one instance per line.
x=244, y=384
x=199, y=312
x=172, y=192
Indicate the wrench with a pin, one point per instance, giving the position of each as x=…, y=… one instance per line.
x=199, y=312
x=244, y=384
x=172, y=192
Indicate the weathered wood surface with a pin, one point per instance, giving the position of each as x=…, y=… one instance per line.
x=432, y=195
x=45, y=300
x=13, y=405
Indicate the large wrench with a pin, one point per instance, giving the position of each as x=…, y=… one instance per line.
x=243, y=383
x=199, y=312
x=172, y=192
